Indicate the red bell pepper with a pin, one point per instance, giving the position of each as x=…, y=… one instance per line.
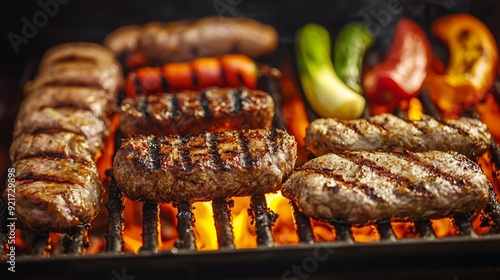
x=401, y=74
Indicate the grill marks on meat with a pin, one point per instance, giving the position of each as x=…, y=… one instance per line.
x=58, y=132
x=79, y=64
x=68, y=119
x=203, y=167
x=387, y=132
x=215, y=109
x=56, y=193
x=96, y=101
x=363, y=187
x=66, y=145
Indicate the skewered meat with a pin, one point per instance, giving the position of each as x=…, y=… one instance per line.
x=204, y=167
x=188, y=39
x=214, y=109
x=387, y=132
x=59, y=130
x=364, y=187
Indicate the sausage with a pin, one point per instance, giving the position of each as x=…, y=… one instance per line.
x=214, y=109
x=231, y=70
x=205, y=37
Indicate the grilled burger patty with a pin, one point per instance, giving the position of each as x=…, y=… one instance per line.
x=364, y=187
x=204, y=167
x=387, y=132
x=215, y=109
x=58, y=132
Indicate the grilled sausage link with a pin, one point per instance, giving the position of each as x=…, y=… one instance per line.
x=188, y=39
x=204, y=167
x=230, y=70
x=364, y=187
x=58, y=132
x=387, y=132
x=214, y=109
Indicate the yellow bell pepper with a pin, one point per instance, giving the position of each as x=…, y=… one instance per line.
x=473, y=60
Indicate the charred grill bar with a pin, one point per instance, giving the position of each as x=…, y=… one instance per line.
x=41, y=245
x=343, y=231
x=264, y=219
x=424, y=228
x=151, y=227
x=385, y=231
x=185, y=224
x=303, y=226
x=493, y=208
x=115, y=207
x=223, y=227
x=76, y=242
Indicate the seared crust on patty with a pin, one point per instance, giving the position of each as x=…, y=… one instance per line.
x=204, y=167
x=364, y=187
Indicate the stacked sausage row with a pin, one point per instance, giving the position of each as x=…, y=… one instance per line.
x=59, y=133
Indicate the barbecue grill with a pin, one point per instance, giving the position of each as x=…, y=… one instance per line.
x=466, y=256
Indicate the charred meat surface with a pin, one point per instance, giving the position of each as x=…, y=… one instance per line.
x=364, y=187
x=187, y=39
x=214, y=109
x=204, y=167
x=64, y=119
x=99, y=102
x=79, y=73
x=56, y=194
x=67, y=145
x=387, y=132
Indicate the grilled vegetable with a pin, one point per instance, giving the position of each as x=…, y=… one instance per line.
x=473, y=60
x=350, y=48
x=325, y=92
x=231, y=70
x=401, y=74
